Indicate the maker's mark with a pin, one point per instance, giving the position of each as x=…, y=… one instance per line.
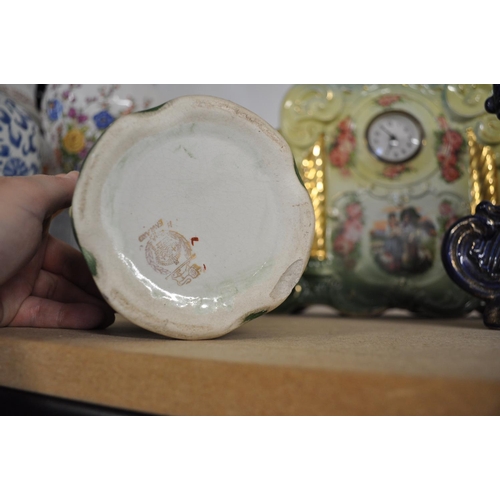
x=169, y=253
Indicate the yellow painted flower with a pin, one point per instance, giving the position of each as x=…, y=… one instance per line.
x=74, y=141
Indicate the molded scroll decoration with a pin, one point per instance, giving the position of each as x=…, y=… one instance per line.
x=470, y=102
x=471, y=257
x=466, y=101
x=306, y=110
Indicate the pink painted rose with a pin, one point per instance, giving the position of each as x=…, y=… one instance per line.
x=354, y=211
x=345, y=126
x=443, y=124
x=450, y=161
x=450, y=174
x=339, y=158
x=392, y=171
x=388, y=100
x=453, y=138
x=353, y=231
x=345, y=145
x=342, y=149
x=442, y=155
x=343, y=246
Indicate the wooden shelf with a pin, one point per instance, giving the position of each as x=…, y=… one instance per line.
x=275, y=365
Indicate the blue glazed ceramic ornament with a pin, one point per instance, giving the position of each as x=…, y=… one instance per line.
x=471, y=256
x=492, y=104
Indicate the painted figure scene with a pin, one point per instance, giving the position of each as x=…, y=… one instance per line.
x=405, y=243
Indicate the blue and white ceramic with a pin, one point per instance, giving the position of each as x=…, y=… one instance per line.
x=20, y=139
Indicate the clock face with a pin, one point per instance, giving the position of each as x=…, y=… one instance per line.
x=394, y=137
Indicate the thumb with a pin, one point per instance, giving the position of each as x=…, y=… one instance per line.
x=44, y=195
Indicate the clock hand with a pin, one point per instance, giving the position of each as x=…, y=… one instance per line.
x=392, y=137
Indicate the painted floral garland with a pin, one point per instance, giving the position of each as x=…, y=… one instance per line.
x=342, y=151
x=347, y=238
x=450, y=146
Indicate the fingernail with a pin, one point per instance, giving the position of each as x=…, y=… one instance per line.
x=72, y=173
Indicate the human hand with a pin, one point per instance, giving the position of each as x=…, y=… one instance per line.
x=44, y=282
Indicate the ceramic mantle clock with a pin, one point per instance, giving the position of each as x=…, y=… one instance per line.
x=389, y=169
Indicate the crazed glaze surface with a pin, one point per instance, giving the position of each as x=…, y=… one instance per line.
x=193, y=217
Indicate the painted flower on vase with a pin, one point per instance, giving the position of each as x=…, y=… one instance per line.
x=74, y=141
x=343, y=148
x=103, y=119
x=15, y=166
x=54, y=109
x=88, y=109
x=78, y=116
x=68, y=94
x=74, y=145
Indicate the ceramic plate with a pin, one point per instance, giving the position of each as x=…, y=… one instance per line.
x=192, y=218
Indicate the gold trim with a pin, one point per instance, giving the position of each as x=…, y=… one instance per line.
x=483, y=177
x=313, y=173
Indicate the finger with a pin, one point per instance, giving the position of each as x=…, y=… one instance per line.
x=63, y=259
x=36, y=312
x=26, y=203
x=15, y=290
x=41, y=195
x=54, y=287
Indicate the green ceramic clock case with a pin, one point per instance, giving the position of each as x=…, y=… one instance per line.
x=366, y=269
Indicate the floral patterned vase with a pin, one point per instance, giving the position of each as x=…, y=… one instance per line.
x=21, y=140
x=75, y=115
x=389, y=168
